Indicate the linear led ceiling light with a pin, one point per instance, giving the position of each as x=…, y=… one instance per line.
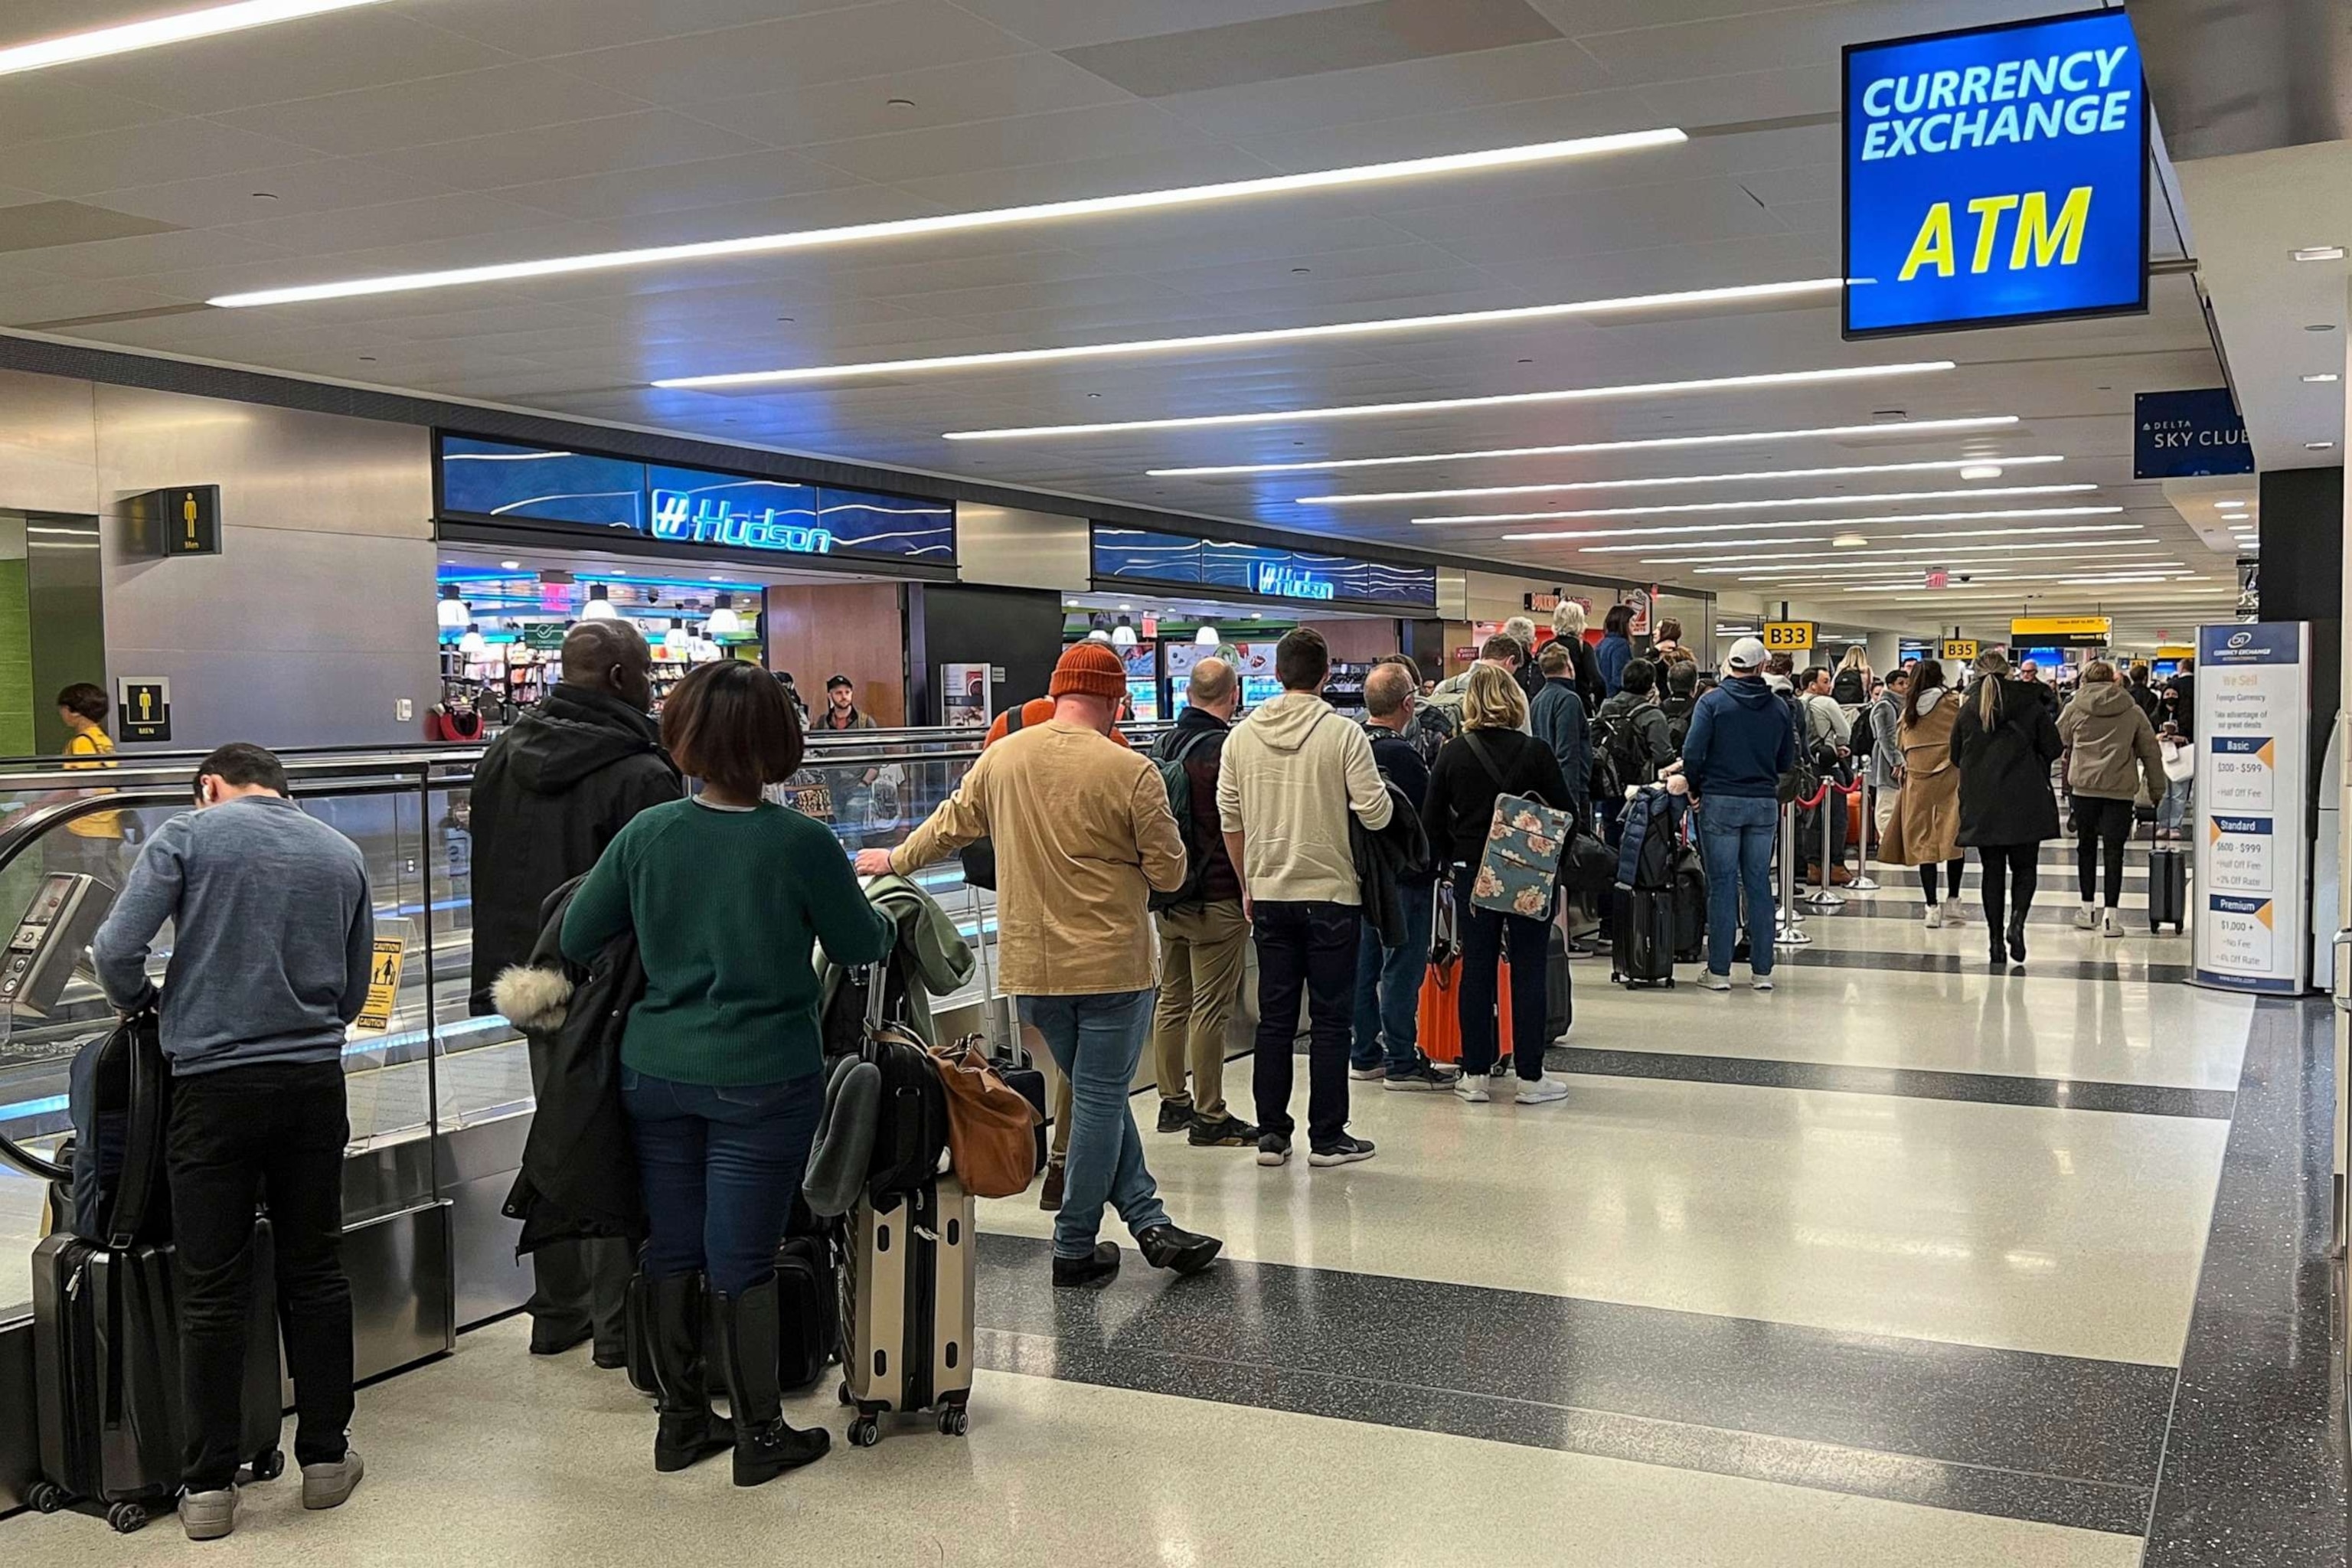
x=1519, y=314
x=1445, y=404
x=1758, y=505
x=1654, y=443
x=1942, y=465
x=1731, y=566
x=2042, y=528
x=1821, y=523
x=157, y=31
x=957, y=223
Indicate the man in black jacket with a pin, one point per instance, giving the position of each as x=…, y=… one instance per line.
x=550, y=794
x=1386, y=1043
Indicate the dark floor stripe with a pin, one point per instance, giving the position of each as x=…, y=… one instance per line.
x=1821, y=955
x=2254, y=1470
x=1880, y=907
x=2054, y=1438
x=1913, y=1083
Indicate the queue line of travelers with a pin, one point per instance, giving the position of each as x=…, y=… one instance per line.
x=728, y=895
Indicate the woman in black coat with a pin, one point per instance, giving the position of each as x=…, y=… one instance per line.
x=2004, y=743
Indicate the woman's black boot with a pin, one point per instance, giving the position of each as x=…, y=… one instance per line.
x=765, y=1448
x=690, y=1431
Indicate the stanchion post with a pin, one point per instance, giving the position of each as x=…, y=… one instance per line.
x=1827, y=900
x=1863, y=882
x=1788, y=930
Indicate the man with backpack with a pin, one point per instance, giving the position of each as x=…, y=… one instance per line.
x=1204, y=936
x=1387, y=979
x=1293, y=773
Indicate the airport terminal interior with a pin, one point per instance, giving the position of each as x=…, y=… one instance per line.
x=364, y=362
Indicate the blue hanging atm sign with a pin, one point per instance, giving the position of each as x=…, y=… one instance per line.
x=1996, y=177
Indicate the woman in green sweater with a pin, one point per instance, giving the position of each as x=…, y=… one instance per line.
x=722, y=1068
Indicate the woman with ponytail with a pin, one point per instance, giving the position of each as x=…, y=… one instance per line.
x=2004, y=743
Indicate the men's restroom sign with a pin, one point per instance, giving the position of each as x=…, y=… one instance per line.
x=2244, y=773
x=142, y=708
x=1996, y=175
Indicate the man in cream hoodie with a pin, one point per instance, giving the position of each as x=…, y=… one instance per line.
x=1292, y=773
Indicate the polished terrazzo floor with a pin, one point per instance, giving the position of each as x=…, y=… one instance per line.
x=1908, y=1262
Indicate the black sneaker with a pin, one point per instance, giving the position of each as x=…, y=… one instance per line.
x=1175, y=1115
x=1087, y=1273
x=1346, y=1152
x=1165, y=1247
x=1422, y=1076
x=1273, y=1149
x=1225, y=1132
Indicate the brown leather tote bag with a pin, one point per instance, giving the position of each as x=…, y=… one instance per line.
x=991, y=1130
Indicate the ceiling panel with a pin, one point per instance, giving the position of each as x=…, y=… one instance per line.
x=645, y=138
x=942, y=95
x=826, y=46
x=143, y=155
x=442, y=109
x=1068, y=24
x=1105, y=131
x=1445, y=84
x=316, y=186
x=543, y=28
x=370, y=46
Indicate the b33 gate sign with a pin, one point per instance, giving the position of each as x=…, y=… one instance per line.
x=1995, y=176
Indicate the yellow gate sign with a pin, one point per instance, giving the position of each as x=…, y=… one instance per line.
x=1962, y=649
x=1787, y=636
x=383, y=986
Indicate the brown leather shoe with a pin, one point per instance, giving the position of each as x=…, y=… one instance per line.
x=1050, y=1197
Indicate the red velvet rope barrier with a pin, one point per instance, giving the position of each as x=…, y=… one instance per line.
x=1804, y=804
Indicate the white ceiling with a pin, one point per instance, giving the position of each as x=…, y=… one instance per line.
x=435, y=133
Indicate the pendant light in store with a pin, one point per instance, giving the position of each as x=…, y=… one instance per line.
x=1123, y=634
x=724, y=622
x=453, y=611
x=1099, y=628
x=676, y=643
x=1206, y=636
x=471, y=645
x=599, y=606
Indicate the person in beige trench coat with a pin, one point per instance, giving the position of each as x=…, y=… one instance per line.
x=1924, y=830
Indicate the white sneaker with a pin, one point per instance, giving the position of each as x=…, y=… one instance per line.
x=1542, y=1091
x=1709, y=980
x=2111, y=924
x=327, y=1486
x=1472, y=1087
x=1761, y=982
x=1935, y=917
x=2086, y=918
x=1955, y=912
x=209, y=1515
x=1369, y=1075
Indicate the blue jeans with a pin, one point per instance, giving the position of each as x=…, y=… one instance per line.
x=719, y=1164
x=1735, y=835
x=1388, y=985
x=1097, y=1041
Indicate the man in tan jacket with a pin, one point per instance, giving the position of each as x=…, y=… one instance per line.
x=1293, y=773
x=1083, y=837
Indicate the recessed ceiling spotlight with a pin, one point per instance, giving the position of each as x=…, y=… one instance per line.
x=2320, y=377
x=1531, y=154
x=204, y=23
x=2319, y=253
x=1441, y=405
x=1981, y=472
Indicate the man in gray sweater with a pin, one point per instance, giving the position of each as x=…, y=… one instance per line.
x=274, y=941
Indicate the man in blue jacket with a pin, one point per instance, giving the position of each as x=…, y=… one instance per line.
x=1741, y=741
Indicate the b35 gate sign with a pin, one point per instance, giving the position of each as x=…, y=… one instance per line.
x=1995, y=176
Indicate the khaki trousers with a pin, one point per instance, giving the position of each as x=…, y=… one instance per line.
x=1202, y=950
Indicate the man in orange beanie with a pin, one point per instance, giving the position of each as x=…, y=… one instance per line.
x=1082, y=838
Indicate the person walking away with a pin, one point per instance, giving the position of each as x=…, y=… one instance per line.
x=549, y=795
x=1387, y=979
x=1616, y=649
x=274, y=938
x=1294, y=771
x=1521, y=631
x=1850, y=685
x=1491, y=758
x=1829, y=738
x=1567, y=626
x=1083, y=837
x=2111, y=750
x=721, y=1059
x=2004, y=742
x=1741, y=741
x=90, y=845
x=1925, y=829
x=1885, y=720
x=1203, y=942
x=2142, y=694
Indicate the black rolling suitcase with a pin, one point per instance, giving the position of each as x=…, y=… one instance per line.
x=1690, y=905
x=2168, y=887
x=106, y=1343
x=1644, y=952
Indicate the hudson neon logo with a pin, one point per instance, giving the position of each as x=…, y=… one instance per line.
x=1290, y=583
x=679, y=516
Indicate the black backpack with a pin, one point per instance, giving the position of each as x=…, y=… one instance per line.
x=979, y=857
x=1167, y=756
x=1617, y=750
